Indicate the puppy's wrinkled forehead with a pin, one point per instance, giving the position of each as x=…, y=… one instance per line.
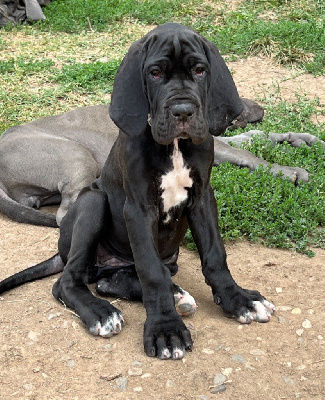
x=177, y=46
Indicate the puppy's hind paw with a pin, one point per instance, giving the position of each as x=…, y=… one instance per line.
x=185, y=303
x=112, y=325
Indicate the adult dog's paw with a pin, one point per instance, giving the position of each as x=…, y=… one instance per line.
x=166, y=339
x=246, y=306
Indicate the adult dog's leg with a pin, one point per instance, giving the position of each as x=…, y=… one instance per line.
x=245, y=305
x=79, y=238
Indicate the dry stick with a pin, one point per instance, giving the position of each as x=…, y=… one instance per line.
x=111, y=377
x=89, y=23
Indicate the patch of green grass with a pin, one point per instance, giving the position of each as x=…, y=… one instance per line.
x=22, y=66
x=87, y=78
x=267, y=209
x=82, y=15
x=290, y=42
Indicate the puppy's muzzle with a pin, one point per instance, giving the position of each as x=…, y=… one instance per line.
x=182, y=115
x=183, y=111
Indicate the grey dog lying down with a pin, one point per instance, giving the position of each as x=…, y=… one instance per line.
x=49, y=160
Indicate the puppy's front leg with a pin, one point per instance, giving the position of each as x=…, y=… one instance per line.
x=245, y=305
x=165, y=334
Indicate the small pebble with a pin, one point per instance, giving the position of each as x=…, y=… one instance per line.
x=219, y=389
x=283, y=308
x=257, y=352
x=219, y=379
x=137, y=363
x=281, y=320
x=310, y=311
x=147, y=375
x=296, y=311
x=299, y=332
x=121, y=383
x=170, y=384
x=301, y=367
x=226, y=371
x=137, y=389
x=278, y=290
x=306, y=324
x=75, y=325
x=135, y=371
x=71, y=363
x=320, y=337
x=239, y=358
x=51, y=316
x=208, y=351
x=201, y=397
x=288, y=380
x=33, y=336
x=28, y=386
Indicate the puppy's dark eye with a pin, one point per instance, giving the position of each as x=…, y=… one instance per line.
x=156, y=73
x=199, y=71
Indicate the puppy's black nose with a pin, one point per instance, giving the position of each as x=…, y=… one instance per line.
x=183, y=111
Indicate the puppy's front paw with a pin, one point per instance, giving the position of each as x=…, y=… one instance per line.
x=245, y=305
x=166, y=339
x=259, y=311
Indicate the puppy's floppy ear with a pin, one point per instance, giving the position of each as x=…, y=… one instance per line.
x=224, y=104
x=129, y=106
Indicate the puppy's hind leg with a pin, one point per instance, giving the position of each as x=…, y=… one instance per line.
x=124, y=283
x=80, y=233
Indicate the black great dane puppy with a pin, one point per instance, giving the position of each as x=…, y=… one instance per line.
x=131, y=221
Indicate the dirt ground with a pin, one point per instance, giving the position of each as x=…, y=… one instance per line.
x=46, y=353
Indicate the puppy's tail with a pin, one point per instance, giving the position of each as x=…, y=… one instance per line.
x=21, y=213
x=52, y=266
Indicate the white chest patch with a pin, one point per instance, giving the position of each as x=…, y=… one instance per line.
x=175, y=182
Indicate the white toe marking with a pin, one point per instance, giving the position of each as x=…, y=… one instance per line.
x=165, y=354
x=261, y=313
x=112, y=326
x=245, y=319
x=178, y=354
x=185, y=303
x=269, y=306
